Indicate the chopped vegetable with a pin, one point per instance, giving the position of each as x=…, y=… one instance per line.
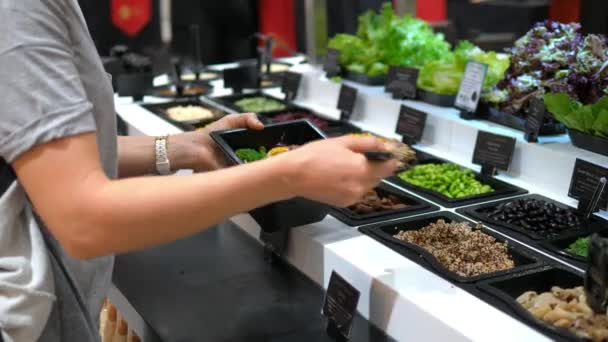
x=579, y=247
x=257, y=104
x=448, y=179
x=385, y=39
x=591, y=119
x=249, y=155
x=277, y=150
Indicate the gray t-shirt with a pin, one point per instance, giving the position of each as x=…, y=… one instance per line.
x=52, y=85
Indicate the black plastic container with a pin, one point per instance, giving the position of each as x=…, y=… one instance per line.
x=415, y=206
x=160, y=109
x=189, y=90
x=559, y=246
x=229, y=102
x=384, y=232
x=589, y=142
x=518, y=123
x=334, y=128
x=363, y=78
x=477, y=212
x=435, y=99
x=136, y=85
x=283, y=214
x=501, y=189
x=504, y=291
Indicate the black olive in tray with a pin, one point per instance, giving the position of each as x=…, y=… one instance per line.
x=535, y=217
x=453, y=247
x=383, y=203
x=186, y=114
x=551, y=300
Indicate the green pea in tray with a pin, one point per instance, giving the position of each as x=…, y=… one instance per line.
x=500, y=188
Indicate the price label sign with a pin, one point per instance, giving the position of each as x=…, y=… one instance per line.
x=241, y=77
x=401, y=82
x=493, y=150
x=346, y=101
x=291, y=84
x=470, y=86
x=411, y=124
x=331, y=64
x=535, y=119
x=340, y=305
x=585, y=179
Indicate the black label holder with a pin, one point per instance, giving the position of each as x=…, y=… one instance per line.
x=339, y=307
x=346, y=102
x=493, y=152
x=535, y=120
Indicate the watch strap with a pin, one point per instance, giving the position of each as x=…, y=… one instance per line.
x=163, y=165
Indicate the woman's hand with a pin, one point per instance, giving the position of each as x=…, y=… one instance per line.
x=335, y=171
x=197, y=151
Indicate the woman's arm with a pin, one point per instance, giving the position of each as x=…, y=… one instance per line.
x=92, y=215
x=192, y=150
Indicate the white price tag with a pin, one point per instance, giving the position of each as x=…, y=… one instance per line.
x=470, y=86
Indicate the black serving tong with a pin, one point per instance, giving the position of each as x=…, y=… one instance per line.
x=596, y=278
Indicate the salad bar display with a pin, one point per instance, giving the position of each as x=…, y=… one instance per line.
x=524, y=254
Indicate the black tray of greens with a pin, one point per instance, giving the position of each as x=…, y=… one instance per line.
x=589, y=142
x=549, y=127
x=384, y=232
x=160, y=109
x=574, y=248
x=283, y=214
x=502, y=292
x=363, y=78
x=435, y=99
x=272, y=104
x=533, y=216
x=414, y=205
x=501, y=189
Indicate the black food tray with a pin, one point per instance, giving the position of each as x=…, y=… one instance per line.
x=496, y=116
x=335, y=128
x=284, y=214
x=362, y=78
x=559, y=245
x=160, y=110
x=384, y=232
x=589, y=142
x=206, y=88
x=501, y=189
x=502, y=292
x=416, y=206
x=435, y=99
x=477, y=213
x=229, y=100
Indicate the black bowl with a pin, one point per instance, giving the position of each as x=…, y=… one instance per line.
x=435, y=99
x=504, y=291
x=160, y=109
x=478, y=212
x=284, y=214
x=363, y=78
x=136, y=85
x=494, y=115
x=501, y=189
x=589, y=142
x=415, y=206
x=385, y=231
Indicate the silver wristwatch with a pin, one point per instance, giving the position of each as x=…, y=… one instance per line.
x=163, y=166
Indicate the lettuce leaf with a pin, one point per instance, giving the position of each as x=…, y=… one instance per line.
x=591, y=119
x=444, y=76
x=385, y=39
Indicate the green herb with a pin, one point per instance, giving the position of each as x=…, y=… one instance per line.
x=591, y=119
x=249, y=155
x=385, y=39
x=257, y=104
x=579, y=247
x=336, y=79
x=448, y=179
